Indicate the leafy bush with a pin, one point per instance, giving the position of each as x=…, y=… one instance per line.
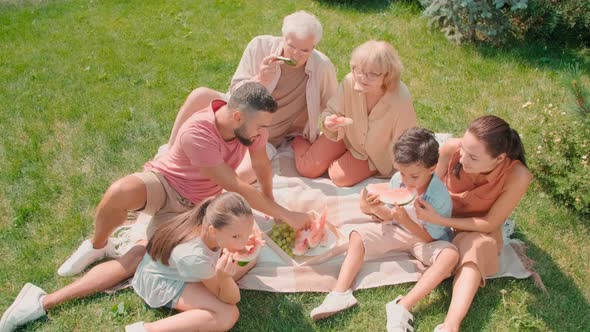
x=472, y=20
x=561, y=161
x=555, y=20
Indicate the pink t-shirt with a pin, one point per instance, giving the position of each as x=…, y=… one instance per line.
x=199, y=144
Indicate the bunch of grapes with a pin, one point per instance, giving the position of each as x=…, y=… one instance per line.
x=284, y=236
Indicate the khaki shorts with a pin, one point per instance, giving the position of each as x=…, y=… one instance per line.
x=481, y=249
x=380, y=239
x=163, y=201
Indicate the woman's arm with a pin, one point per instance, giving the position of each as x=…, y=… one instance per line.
x=517, y=184
x=445, y=153
x=400, y=215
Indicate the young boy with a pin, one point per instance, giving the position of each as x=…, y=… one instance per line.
x=397, y=229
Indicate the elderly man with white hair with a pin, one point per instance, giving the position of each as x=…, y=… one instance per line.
x=300, y=78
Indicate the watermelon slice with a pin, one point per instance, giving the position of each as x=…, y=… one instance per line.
x=313, y=236
x=317, y=231
x=339, y=120
x=252, y=248
x=301, y=245
x=288, y=61
x=399, y=196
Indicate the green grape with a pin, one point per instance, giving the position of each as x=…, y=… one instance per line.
x=284, y=236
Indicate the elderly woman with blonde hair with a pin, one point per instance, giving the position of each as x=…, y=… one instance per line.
x=371, y=109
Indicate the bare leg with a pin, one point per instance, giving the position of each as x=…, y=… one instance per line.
x=99, y=278
x=126, y=194
x=313, y=160
x=352, y=263
x=197, y=100
x=434, y=275
x=465, y=286
x=202, y=311
x=245, y=171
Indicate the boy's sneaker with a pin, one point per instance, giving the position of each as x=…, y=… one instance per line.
x=25, y=308
x=398, y=318
x=135, y=327
x=334, y=303
x=82, y=258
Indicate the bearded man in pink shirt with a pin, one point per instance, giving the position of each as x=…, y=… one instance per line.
x=202, y=162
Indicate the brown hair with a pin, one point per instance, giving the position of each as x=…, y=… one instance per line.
x=416, y=146
x=497, y=137
x=217, y=212
x=252, y=97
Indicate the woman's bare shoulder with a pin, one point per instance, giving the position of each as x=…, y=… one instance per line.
x=450, y=146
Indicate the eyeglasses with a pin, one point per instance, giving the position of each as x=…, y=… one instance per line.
x=370, y=76
x=292, y=49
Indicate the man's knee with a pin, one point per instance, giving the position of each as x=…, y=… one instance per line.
x=202, y=96
x=124, y=191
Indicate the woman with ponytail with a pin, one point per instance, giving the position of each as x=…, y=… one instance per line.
x=189, y=267
x=486, y=175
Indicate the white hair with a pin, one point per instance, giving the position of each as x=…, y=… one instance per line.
x=302, y=24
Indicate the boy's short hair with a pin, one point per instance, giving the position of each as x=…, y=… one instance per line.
x=251, y=97
x=416, y=145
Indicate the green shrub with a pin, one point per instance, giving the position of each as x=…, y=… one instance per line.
x=561, y=161
x=472, y=20
x=555, y=20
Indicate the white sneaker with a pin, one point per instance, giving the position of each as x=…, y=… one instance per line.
x=334, y=303
x=81, y=258
x=135, y=327
x=25, y=308
x=398, y=318
x=439, y=328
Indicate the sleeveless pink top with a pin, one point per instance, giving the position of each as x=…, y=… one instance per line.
x=474, y=194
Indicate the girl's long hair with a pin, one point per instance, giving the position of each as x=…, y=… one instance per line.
x=498, y=138
x=217, y=212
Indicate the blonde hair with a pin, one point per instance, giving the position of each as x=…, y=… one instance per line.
x=217, y=212
x=302, y=24
x=381, y=57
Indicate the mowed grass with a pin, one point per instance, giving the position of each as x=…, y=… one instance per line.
x=90, y=89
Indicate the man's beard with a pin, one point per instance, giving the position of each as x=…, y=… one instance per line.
x=242, y=138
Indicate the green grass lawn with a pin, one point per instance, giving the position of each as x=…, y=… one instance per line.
x=90, y=89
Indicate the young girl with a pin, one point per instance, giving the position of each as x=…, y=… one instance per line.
x=371, y=110
x=189, y=266
x=169, y=273
x=416, y=156
x=486, y=174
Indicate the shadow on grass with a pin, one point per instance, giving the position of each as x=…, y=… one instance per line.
x=366, y=6
x=271, y=312
x=540, y=55
x=563, y=307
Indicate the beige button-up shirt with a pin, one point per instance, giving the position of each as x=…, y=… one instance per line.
x=371, y=136
x=320, y=87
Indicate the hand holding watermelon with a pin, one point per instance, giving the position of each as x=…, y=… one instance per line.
x=252, y=248
x=225, y=267
x=399, y=213
x=333, y=122
x=312, y=236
